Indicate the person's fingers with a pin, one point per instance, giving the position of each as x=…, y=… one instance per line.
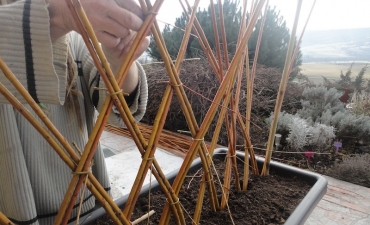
x=131, y=6
x=125, y=18
x=107, y=39
x=110, y=26
x=144, y=46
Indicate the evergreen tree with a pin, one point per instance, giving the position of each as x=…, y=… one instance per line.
x=274, y=43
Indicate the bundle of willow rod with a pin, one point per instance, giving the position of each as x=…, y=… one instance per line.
x=170, y=141
x=70, y=159
x=250, y=86
x=203, y=41
x=225, y=84
x=112, y=87
x=176, y=85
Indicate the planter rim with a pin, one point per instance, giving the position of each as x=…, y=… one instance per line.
x=298, y=216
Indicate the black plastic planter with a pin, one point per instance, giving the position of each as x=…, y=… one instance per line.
x=299, y=215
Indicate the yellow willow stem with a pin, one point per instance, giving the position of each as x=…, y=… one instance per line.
x=221, y=117
x=226, y=186
x=203, y=153
x=248, y=143
x=95, y=187
x=281, y=92
x=212, y=110
x=181, y=95
x=250, y=84
x=257, y=51
x=300, y=39
x=217, y=39
x=4, y=220
x=223, y=32
x=185, y=39
x=174, y=80
x=197, y=212
x=204, y=44
x=199, y=205
x=86, y=157
x=77, y=180
x=149, y=154
x=161, y=40
x=159, y=174
x=147, y=159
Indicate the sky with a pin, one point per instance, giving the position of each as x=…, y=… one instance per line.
x=327, y=14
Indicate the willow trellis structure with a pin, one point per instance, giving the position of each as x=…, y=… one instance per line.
x=229, y=75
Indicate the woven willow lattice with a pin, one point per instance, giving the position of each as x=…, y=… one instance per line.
x=224, y=99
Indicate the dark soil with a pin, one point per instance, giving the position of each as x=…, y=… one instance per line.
x=268, y=200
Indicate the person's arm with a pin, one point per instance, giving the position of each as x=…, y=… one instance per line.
x=26, y=47
x=27, y=34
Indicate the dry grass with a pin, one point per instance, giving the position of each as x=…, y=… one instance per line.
x=353, y=169
x=361, y=103
x=315, y=71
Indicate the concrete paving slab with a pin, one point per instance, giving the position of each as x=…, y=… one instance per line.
x=124, y=165
x=344, y=203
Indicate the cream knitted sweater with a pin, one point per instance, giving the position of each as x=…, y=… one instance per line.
x=33, y=179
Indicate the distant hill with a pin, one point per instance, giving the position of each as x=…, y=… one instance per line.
x=336, y=45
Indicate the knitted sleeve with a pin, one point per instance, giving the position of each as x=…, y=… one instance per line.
x=26, y=48
x=137, y=102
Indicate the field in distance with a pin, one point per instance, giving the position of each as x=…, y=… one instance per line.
x=316, y=71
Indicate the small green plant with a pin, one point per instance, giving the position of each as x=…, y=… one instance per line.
x=354, y=169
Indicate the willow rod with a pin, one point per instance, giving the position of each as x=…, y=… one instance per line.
x=216, y=133
x=160, y=176
x=231, y=125
x=248, y=148
x=174, y=79
x=241, y=69
x=200, y=199
x=300, y=39
x=223, y=86
x=212, y=110
x=4, y=220
x=250, y=83
x=95, y=186
x=217, y=40
x=149, y=153
x=170, y=73
x=119, y=101
x=159, y=117
x=90, y=147
x=204, y=43
x=257, y=52
x=223, y=32
x=281, y=92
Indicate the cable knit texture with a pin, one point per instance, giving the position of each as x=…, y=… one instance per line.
x=33, y=179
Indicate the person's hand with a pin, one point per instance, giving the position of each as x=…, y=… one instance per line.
x=116, y=55
x=115, y=23
x=111, y=20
